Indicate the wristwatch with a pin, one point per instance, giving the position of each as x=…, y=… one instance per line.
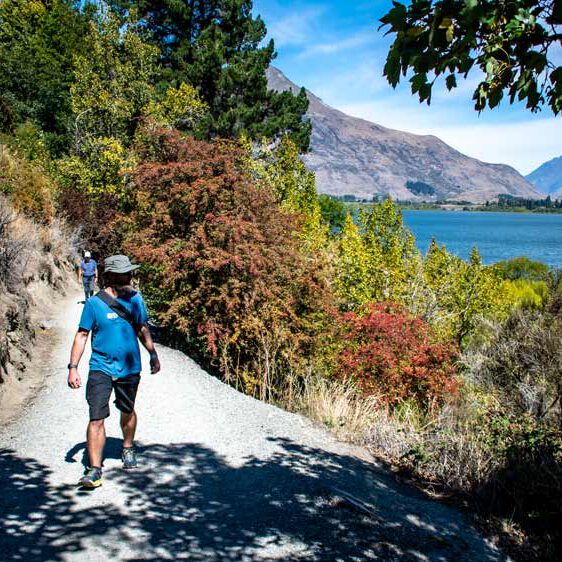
x=72, y=366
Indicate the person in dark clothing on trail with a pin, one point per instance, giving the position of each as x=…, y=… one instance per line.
x=117, y=319
x=88, y=274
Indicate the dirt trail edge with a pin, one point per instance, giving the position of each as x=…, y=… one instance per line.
x=222, y=477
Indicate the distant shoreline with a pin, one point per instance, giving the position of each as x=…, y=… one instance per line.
x=461, y=208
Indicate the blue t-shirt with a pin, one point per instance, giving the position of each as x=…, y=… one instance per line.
x=88, y=268
x=115, y=347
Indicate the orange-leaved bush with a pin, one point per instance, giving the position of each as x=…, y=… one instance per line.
x=392, y=354
x=222, y=260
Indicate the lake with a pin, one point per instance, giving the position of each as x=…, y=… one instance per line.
x=498, y=236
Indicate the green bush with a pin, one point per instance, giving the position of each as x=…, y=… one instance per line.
x=522, y=268
x=30, y=189
x=333, y=212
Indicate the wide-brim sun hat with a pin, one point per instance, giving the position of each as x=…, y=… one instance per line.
x=119, y=264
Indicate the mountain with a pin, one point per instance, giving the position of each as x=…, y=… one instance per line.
x=357, y=157
x=548, y=177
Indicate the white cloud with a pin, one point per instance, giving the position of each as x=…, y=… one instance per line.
x=525, y=145
x=353, y=42
x=295, y=28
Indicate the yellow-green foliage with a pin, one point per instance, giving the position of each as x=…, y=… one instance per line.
x=29, y=141
x=522, y=267
x=101, y=170
x=385, y=235
x=113, y=82
x=282, y=170
x=463, y=292
x=356, y=274
x=181, y=108
x=295, y=185
x=526, y=294
x=30, y=189
x=377, y=259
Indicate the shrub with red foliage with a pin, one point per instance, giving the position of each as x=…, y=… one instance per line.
x=222, y=264
x=93, y=219
x=392, y=354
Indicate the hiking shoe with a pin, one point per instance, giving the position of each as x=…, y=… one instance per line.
x=92, y=478
x=129, y=457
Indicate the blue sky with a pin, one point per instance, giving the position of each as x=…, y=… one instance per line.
x=334, y=48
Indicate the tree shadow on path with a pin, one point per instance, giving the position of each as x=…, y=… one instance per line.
x=186, y=502
x=112, y=450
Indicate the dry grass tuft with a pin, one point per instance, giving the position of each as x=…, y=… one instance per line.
x=339, y=406
x=16, y=246
x=449, y=447
x=31, y=251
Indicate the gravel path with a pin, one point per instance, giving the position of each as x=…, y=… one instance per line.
x=223, y=477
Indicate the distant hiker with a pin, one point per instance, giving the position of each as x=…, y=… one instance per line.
x=116, y=317
x=88, y=274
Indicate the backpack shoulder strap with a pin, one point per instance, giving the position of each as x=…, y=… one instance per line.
x=118, y=308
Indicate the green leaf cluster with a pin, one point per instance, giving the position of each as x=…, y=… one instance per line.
x=101, y=169
x=180, y=108
x=522, y=268
x=512, y=46
x=376, y=258
x=38, y=42
x=333, y=212
x=463, y=293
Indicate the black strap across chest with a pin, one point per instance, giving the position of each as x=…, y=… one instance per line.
x=118, y=308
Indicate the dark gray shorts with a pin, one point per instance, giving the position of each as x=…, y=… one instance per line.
x=98, y=393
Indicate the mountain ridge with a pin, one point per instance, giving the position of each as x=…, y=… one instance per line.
x=353, y=156
x=547, y=178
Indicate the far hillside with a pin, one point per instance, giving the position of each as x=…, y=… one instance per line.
x=548, y=177
x=351, y=156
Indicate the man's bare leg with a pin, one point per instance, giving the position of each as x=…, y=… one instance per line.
x=129, y=426
x=96, y=441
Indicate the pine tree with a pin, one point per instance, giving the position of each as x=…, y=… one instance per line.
x=216, y=45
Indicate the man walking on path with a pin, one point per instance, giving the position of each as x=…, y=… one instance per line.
x=88, y=274
x=117, y=319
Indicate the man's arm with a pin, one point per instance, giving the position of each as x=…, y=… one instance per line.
x=76, y=353
x=146, y=339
